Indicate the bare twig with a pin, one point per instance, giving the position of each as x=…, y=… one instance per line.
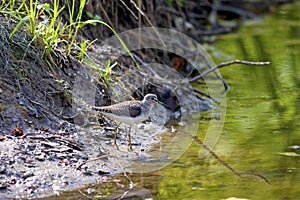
x=106, y=16
x=227, y=64
x=131, y=184
x=86, y=196
x=148, y=20
x=206, y=95
x=132, y=13
x=95, y=159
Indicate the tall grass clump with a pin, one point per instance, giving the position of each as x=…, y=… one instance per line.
x=45, y=24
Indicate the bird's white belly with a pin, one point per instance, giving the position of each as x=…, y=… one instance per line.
x=127, y=119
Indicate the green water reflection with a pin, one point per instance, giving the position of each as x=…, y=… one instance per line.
x=262, y=125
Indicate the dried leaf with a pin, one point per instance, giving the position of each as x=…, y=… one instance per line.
x=290, y=154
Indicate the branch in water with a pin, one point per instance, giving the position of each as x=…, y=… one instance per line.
x=227, y=64
x=239, y=174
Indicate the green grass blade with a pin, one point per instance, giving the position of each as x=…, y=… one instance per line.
x=22, y=21
x=92, y=21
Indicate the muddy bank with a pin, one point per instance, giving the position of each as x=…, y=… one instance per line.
x=49, y=140
x=42, y=150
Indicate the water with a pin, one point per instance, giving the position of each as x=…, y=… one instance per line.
x=262, y=129
x=261, y=134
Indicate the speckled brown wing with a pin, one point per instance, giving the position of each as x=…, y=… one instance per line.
x=129, y=109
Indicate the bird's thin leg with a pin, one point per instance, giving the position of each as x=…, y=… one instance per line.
x=129, y=138
x=115, y=135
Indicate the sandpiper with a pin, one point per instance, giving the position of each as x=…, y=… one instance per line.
x=128, y=112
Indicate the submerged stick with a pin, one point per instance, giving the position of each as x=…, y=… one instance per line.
x=239, y=174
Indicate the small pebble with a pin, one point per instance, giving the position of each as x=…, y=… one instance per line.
x=2, y=170
x=3, y=186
